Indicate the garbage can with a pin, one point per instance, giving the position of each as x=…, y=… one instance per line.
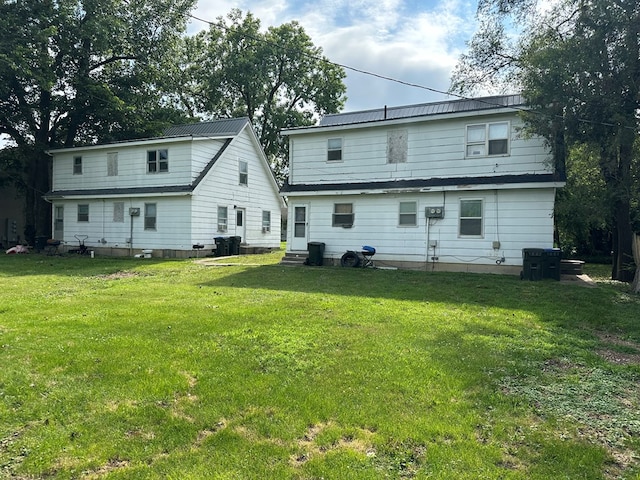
x=316, y=253
x=222, y=246
x=41, y=242
x=532, y=263
x=551, y=263
x=234, y=245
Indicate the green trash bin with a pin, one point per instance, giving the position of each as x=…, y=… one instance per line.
x=234, y=245
x=41, y=243
x=551, y=263
x=316, y=253
x=222, y=247
x=532, y=263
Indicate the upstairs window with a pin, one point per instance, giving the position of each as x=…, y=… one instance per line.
x=334, y=150
x=112, y=164
x=222, y=219
x=266, y=221
x=408, y=214
x=150, y=216
x=158, y=161
x=471, y=218
x=77, y=165
x=243, y=173
x=83, y=212
x=343, y=215
x=488, y=139
x=397, y=146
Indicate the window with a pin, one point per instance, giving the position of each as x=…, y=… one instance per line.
x=157, y=161
x=118, y=212
x=112, y=164
x=408, y=214
x=222, y=219
x=243, y=170
x=150, y=214
x=343, y=215
x=334, y=150
x=58, y=221
x=77, y=165
x=397, y=146
x=266, y=221
x=488, y=139
x=470, y=218
x=83, y=212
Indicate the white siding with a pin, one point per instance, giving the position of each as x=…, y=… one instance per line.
x=516, y=218
x=436, y=149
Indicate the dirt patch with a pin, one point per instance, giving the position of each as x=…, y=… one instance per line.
x=118, y=275
x=630, y=355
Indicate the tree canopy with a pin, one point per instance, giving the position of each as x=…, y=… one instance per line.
x=578, y=65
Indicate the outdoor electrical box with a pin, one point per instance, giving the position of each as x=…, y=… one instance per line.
x=134, y=212
x=434, y=212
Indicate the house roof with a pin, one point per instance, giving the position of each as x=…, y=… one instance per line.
x=226, y=127
x=517, y=102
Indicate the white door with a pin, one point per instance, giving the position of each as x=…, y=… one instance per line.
x=58, y=222
x=241, y=228
x=300, y=231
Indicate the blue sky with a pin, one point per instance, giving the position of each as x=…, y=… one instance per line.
x=415, y=41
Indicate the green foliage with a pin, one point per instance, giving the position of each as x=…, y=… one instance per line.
x=277, y=78
x=129, y=368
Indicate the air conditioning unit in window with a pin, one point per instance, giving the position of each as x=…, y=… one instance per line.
x=434, y=212
x=222, y=227
x=266, y=229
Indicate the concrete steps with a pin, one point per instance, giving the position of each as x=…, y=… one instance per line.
x=294, y=258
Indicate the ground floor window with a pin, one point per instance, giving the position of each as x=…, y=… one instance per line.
x=83, y=212
x=150, y=214
x=343, y=215
x=223, y=215
x=266, y=221
x=471, y=218
x=408, y=214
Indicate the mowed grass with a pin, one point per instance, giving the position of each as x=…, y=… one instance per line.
x=151, y=369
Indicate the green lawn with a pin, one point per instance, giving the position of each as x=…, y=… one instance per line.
x=150, y=369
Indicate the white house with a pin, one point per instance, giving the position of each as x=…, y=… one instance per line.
x=167, y=194
x=451, y=185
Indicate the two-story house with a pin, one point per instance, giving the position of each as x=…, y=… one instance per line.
x=450, y=185
x=167, y=194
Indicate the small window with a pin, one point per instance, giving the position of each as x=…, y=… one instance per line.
x=470, y=218
x=77, y=165
x=157, y=161
x=408, y=214
x=397, y=146
x=334, y=150
x=118, y=212
x=266, y=221
x=150, y=216
x=243, y=173
x=343, y=215
x=222, y=219
x=112, y=164
x=83, y=213
x=488, y=139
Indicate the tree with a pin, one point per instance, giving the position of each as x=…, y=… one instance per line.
x=277, y=78
x=579, y=68
x=78, y=72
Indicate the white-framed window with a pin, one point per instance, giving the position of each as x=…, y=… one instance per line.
x=77, y=165
x=243, y=173
x=158, y=161
x=150, y=216
x=408, y=216
x=334, y=150
x=343, y=215
x=223, y=218
x=112, y=164
x=487, y=139
x=83, y=212
x=266, y=221
x=471, y=218
x=118, y=212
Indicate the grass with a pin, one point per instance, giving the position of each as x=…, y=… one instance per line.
x=150, y=369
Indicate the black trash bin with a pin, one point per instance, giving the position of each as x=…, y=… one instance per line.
x=41, y=242
x=532, y=263
x=551, y=263
x=234, y=245
x=316, y=253
x=222, y=246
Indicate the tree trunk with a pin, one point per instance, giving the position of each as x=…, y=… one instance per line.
x=38, y=211
x=635, y=286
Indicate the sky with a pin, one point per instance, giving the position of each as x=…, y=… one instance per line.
x=414, y=41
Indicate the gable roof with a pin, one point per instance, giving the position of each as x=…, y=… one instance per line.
x=226, y=127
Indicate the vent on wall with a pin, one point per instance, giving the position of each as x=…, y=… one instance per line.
x=434, y=212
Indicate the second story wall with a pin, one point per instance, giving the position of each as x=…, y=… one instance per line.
x=476, y=145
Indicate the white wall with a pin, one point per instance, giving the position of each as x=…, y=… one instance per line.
x=517, y=218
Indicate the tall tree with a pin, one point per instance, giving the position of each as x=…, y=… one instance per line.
x=80, y=71
x=277, y=78
x=579, y=67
